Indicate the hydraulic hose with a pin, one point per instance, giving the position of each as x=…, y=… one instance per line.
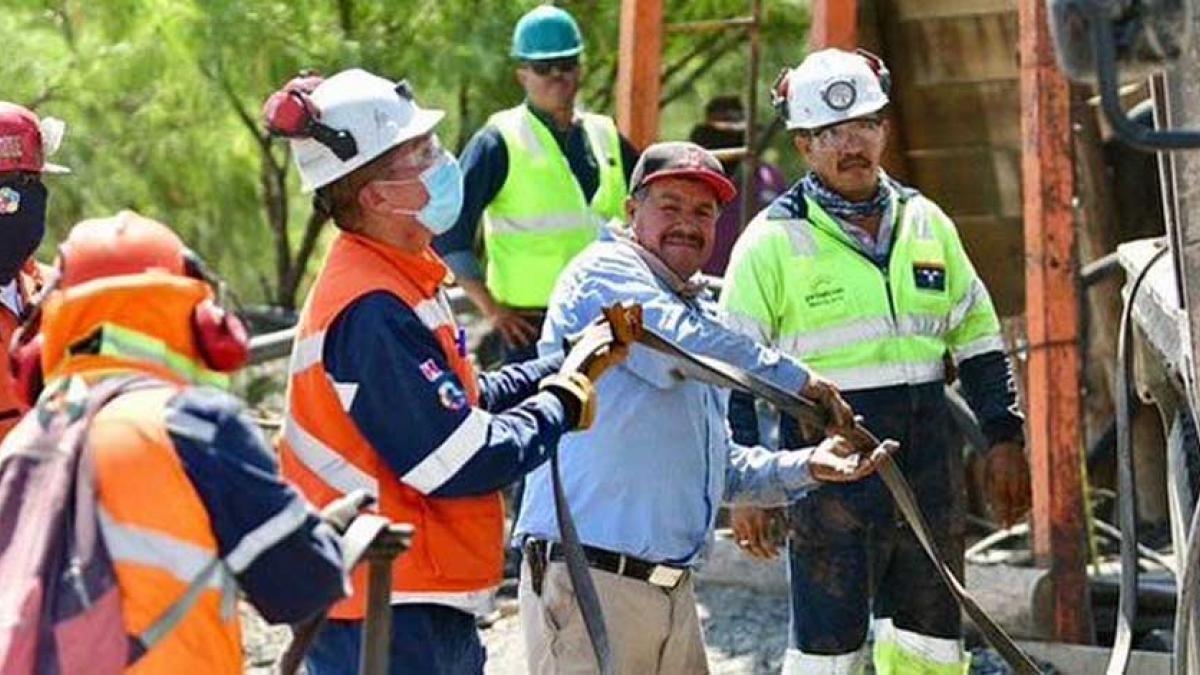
x=1118, y=660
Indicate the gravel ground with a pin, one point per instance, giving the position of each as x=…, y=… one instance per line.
x=744, y=629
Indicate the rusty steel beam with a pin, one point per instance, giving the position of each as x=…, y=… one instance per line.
x=714, y=25
x=1052, y=322
x=639, y=70
x=834, y=24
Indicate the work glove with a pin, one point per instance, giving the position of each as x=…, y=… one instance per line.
x=826, y=395
x=340, y=512
x=758, y=531
x=577, y=394
x=1007, y=474
x=835, y=460
x=605, y=342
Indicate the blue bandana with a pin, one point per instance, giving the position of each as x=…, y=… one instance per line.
x=840, y=207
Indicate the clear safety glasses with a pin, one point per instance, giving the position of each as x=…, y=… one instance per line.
x=861, y=130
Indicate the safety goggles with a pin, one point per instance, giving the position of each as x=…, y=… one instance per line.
x=565, y=66
x=864, y=129
x=417, y=155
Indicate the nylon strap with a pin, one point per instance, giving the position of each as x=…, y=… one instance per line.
x=727, y=376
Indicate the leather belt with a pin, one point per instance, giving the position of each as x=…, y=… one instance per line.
x=656, y=574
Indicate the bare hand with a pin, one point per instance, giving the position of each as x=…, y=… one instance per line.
x=825, y=394
x=836, y=461
x=1007, y=473
x=514, y=329
x=754, y=530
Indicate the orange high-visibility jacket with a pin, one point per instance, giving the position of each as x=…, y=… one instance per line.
x=457, y=551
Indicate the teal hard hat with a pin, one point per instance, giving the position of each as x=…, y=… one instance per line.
x=546, y=33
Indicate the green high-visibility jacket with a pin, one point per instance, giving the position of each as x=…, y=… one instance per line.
x=803, y=285
x=540, y=218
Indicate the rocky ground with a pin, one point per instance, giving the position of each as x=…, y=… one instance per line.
x=745, y=631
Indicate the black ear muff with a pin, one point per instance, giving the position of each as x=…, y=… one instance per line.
x=221, y=337
x=779, y=91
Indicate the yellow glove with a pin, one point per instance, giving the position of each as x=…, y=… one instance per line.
x=576, y=392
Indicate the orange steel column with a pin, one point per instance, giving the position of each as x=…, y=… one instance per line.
x=834, y=24
x=639, y=70
x=1052, y=317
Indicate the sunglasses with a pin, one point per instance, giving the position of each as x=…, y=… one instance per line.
x=544, y=68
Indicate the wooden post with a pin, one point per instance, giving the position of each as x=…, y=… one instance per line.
x=1052, y=321
x=834, y=24
x=639, y=70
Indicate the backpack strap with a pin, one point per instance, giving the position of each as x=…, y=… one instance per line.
x=173, y=615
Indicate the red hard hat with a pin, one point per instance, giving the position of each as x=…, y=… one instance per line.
x=127, y=243
x=22, y=144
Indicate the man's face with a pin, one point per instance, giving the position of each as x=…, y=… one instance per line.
x=395, y=194
x=677, y=221
x=550, y=85
x=846, y=156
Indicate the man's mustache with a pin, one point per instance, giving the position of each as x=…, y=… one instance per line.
x=853, y=162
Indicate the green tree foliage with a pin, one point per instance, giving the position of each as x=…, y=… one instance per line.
x=162, y=99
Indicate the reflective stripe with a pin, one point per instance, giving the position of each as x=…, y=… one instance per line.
x=748, y=326
x=834, y=337
x=885, y=374
x=863, y=330
x=975, y=293
x=433, y=315
x=596, y=132
x=529, y=140
x=122, y=342
x=473, y=602
x=800, y=235
x=266, y=535
x=796, y=662
x=441, y=464
x=916, y=652
x=322, y=460
x=183, y=423
x=307, y=353
x=988, y=343
x=546, y=222
x=181, y=559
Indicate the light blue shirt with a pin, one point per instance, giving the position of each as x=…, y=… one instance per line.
x=647, y=478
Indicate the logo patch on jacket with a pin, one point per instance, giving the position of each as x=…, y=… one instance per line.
x=929, y=276
x=430, y=370
x=452, y=396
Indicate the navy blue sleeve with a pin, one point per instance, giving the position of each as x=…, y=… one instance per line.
x=629, y=157
x=403, y=396
x=485, y=168
x=501, y=389
x=267, y=534
x=988, y=386
x=743, y=419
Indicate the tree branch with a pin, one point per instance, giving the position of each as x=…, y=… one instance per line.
x=686, y=85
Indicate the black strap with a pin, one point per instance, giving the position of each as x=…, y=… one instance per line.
x=725, y=375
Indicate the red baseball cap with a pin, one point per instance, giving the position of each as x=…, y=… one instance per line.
x=25, y=141
x=681, y=159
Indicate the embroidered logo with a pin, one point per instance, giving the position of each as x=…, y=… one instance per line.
x=452, y=396
x=430, y=370
x=10, y=201
x=929, y=276
x=824, y=293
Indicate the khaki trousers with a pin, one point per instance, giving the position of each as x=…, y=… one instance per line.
x=651, y=629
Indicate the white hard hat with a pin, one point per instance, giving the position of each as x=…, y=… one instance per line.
x=377, y=113
x=832, y=86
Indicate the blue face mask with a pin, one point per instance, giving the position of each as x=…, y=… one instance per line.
x=444, y=184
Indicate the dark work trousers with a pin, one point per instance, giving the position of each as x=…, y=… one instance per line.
x=850, y=556
x=426, y=640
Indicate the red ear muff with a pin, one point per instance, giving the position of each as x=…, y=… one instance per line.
x=221, y=337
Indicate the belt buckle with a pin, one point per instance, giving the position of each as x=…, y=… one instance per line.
x=666, y=577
